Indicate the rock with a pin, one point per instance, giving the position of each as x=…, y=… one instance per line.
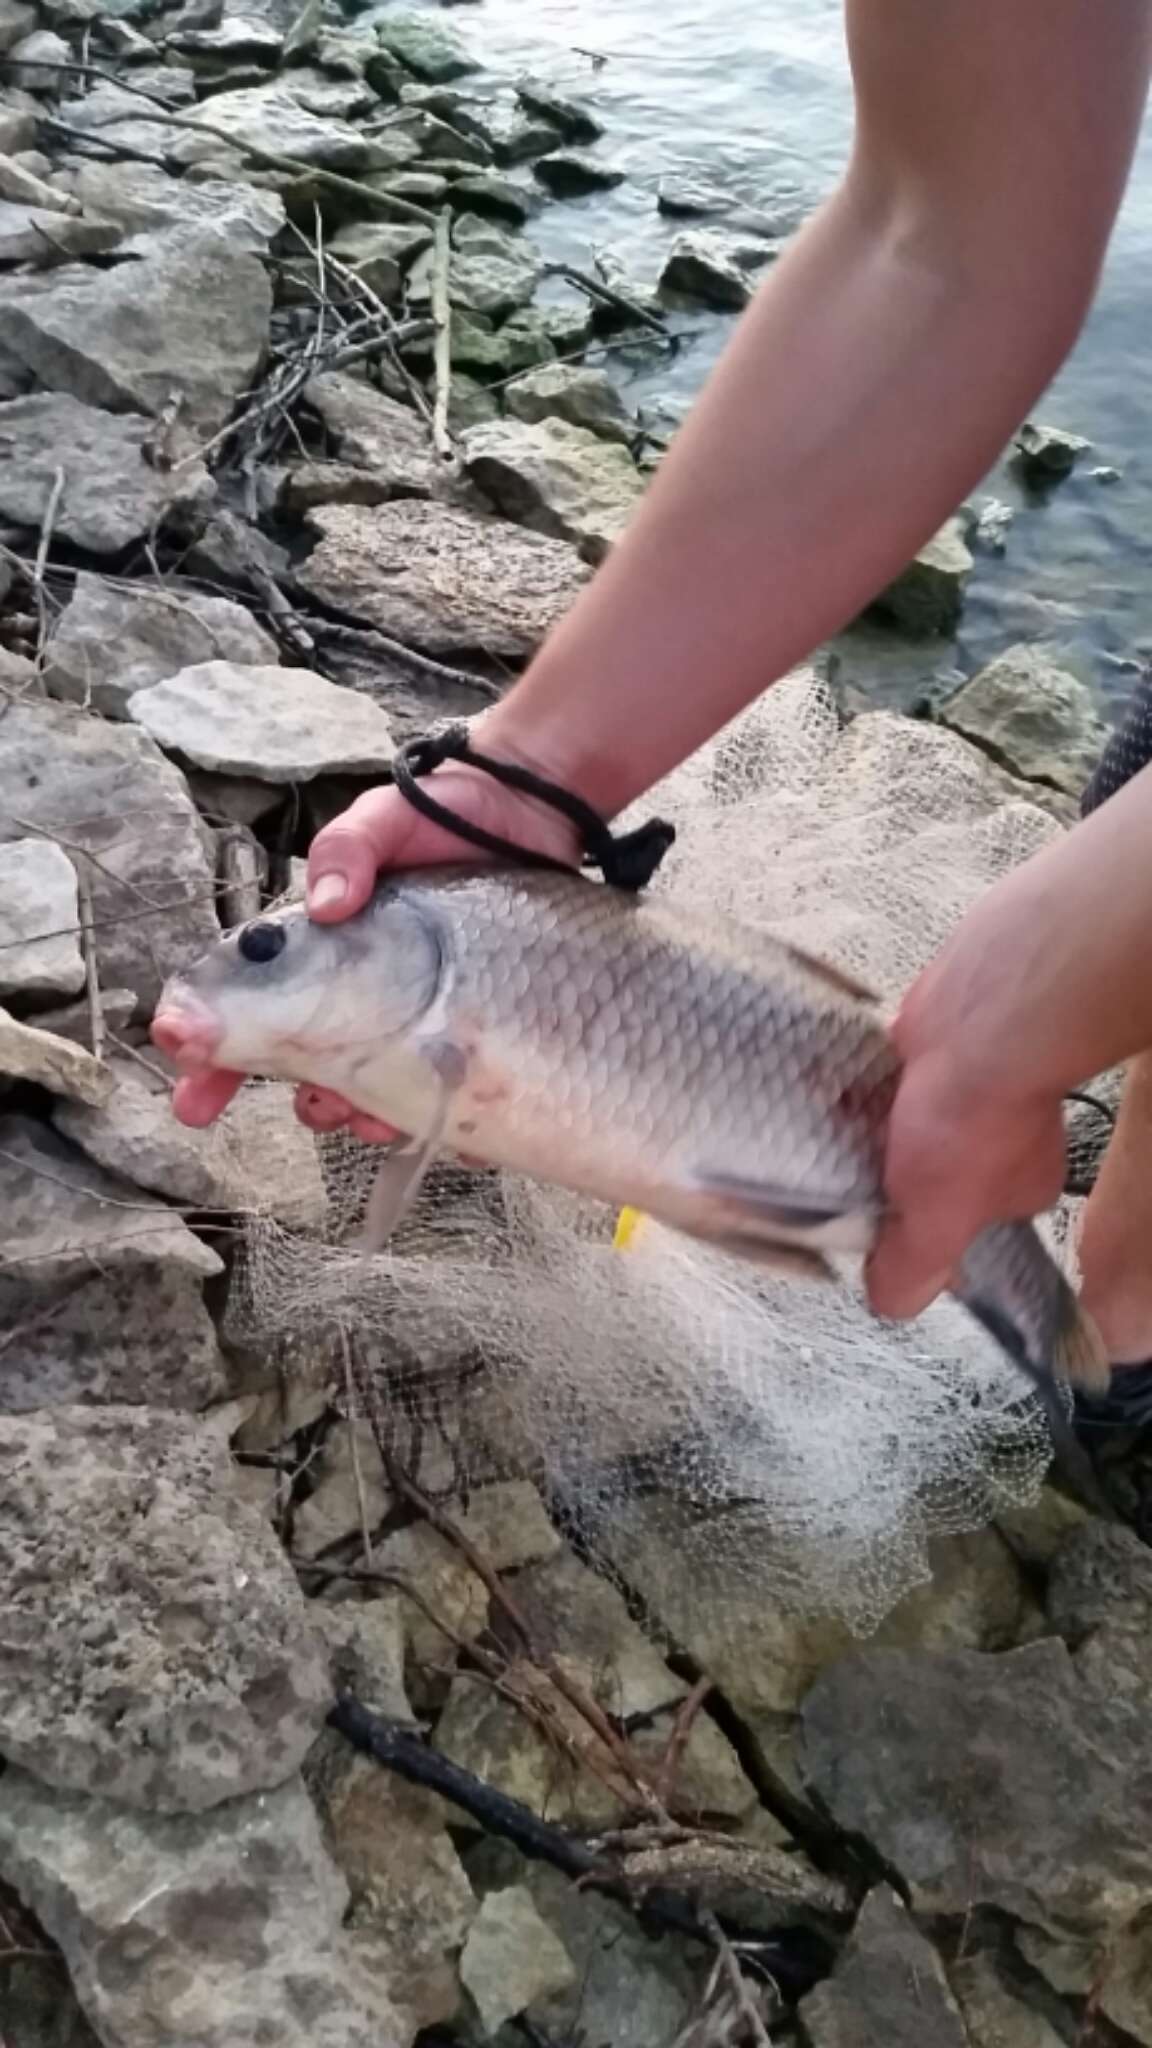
x=145, y=201
x=703, y=267
x=379, y=253
x=17, y=124
x=1036, y=1533
x=269, y=117
x=888, y=1989
x=1002, y=1781
x=157, y=1648
x=690, y=199
x=573, y=120
x=425, y=46
x=577, y=1615
x=989, y=526
x=112, y=495
x=305, y=485
x=566, y=174
x=507, y=1523
x=564, y=391
x=1047, y=454
x=995, y=2016
x=276, y=724
x=456, y=152
x=365, y=1642
x=440, y=580
x=928, y=596
x=485, y=193
x=1105, y=474
x=16, y=22
x=113, y=639
x=224, y=1929
x=34, y=63
x=423, y=187
x=108, y=789
x=1100, y=1599
x=520, y=344
x=470, y=403
x=1033, y=717
x=490, y=272
x=349, y=1472
x=39, y=929
x=239, y=38
x=448, y=1588
x=128, y=338
x=29, y=1054
x=556, y=479
x=25, y=188
x=32, y=234
x=512, y=1957
x=375, y=434
x=517, y=138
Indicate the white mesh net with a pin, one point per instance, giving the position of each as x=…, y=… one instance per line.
x=704, y=1428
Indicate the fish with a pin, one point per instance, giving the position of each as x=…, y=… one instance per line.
x=690, y=1068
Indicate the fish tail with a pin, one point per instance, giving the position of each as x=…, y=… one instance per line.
x=1010, y=1283
x=1079, y=1353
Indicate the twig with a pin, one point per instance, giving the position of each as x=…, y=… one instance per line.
x=738, y=1984
x=681, y=1729
x=240, y=874
x=422, y=665
x=47, y=526
x=606, y=292
x=91, y=965
x=357, y=1474
x=442, y=348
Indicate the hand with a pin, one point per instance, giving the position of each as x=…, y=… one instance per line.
x=382, y=830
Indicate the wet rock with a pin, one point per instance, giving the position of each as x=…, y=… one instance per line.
x=995, y=2016
x=109, y=789
x=454, y=151
x=34, y=62
x=425, y=46
x=441, y=580
x=512, y=1957
x=239, y=38
x=270, y=117
x=928, y=596
x=1046, y=454
x=1033, y=717
x=888, y=1989
x=488, y=194
x=567, y=174
x=129, y=338
x=112, y=495
x=158, y=1650
x=703, y=267
x=564, y=391
x=275, y=724
x=113, y=639
x=691, y=199
x=556, y=479
x=517, y=138
x=29, y=1053
x=39, y=930
x=1105, y=474
x=350, y=1491
x=145, y=200
x=1006, y=1781
x=989, y=526
x=222, y=1929
x=375, y=434
x=570, y=117
x=32, y=234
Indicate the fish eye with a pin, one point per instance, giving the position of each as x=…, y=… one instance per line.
x=261, y=942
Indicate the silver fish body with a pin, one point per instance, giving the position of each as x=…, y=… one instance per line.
x=695, y=1069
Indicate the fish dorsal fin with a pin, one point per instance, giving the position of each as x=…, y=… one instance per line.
x=835, y=977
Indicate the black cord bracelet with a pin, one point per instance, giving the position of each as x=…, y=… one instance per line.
x=627, y=860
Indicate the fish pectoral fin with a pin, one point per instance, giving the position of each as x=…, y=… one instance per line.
x=404, y=1168
x=813, y=1219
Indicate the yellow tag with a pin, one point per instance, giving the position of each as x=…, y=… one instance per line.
x=628, y=1223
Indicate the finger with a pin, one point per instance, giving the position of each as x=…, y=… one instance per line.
x=345, y=856
x=904, y=1274
x=198, y=1099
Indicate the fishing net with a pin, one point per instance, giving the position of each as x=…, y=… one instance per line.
x=707, y=1430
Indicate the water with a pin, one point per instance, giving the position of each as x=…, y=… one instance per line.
x=758, y=99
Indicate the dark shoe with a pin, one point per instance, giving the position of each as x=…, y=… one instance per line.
x=1126, y=1405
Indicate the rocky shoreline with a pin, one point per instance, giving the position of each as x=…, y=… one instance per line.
x=302, y=446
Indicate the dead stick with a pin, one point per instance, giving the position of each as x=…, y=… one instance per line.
x=41, y=562
x=681, y=1729
x=354, y=1447
x=737, y=1982
x=91, y=965
x=592, y=285
x=442, y=349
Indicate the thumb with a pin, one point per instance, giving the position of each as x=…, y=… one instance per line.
x=345, y=856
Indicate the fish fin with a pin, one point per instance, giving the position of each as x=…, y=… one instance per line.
x=404, y=1168
x=769, y=1212
x=845, y=984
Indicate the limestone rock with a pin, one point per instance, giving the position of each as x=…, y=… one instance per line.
x=425, y=46
x=448, y=1587
x=1048, y=453
x=575, y=1613
x=490, y=272
x=113, y=639
x=375, y=434
x=24, y=188
x=365, y=1644
x=17, y=124
x=34, y=62
x=1006, y=1781
x=270, y=117
x=507, y=1523
x=567, y=174
x=888, y=1989
x=1031, y=716
x=144, y=200
x=995, y=2016
x=928, y=596
x=39, y=929
x=157, y=1649
x=333, y=1509
x=687, y=198
x=556, y=479
x=512, y=1957
x=107, y=788
x=571, y=117
x=16, y=22
x=1100, y=1599
x=29, y=1054
x=239, y=38
x=33, y=234
x=566, y=391
x=702, y=266
x=442, y=580
x=112, y=495
x=276, y=724
x=129, y=338
x=486, y=193
x=221, y=1929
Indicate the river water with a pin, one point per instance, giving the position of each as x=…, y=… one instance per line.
x=757, y=98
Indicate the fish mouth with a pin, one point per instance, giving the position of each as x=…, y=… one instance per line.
x=185, y=1030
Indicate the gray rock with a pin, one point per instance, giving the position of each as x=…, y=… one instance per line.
x=512, y=1957
x=113, y=639
x=145, y=200
x=32, y=234
x=564, y=391
x=375, y=434
x=575, y=1613
x=490, y=272
x=488, y=194
x=275, y=724
x=425, y=46
x=1100, y=1599
x=442, y=580
x=989, y=526
x=239, y=38
x=691, y=199
x=425, y=187
x=305, y=485
x=470, y=403
x=101, y=1290
x=26, y=188
x=556, y=479
x=28, y=1053
x=508, y=1524
x=157, y=1648
x=703, y=267
x=520, y=344
x=34, y=62
x=129, y=338
x=1046, y=454
x=888, y=1989
x=39, y=930
x=448, y=1589
x=457, y=151
x=224, y=1929
x=108, y=789
x=1033, y=717
x=1005, y=1781
x=365, y=1644
x=121, y=119
x=17, y=124
x=567, y=174
x=379, y=254
x=573, y=120
x=995, y=2016
x=16, y=22
x=517, y=137
x=270, y=117
x=112, y=495
x=928, y=596
x=350, y=1491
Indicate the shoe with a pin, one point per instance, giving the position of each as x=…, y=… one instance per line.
x=1126, y=1405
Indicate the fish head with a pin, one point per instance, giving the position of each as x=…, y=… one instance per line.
x=284, y=997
